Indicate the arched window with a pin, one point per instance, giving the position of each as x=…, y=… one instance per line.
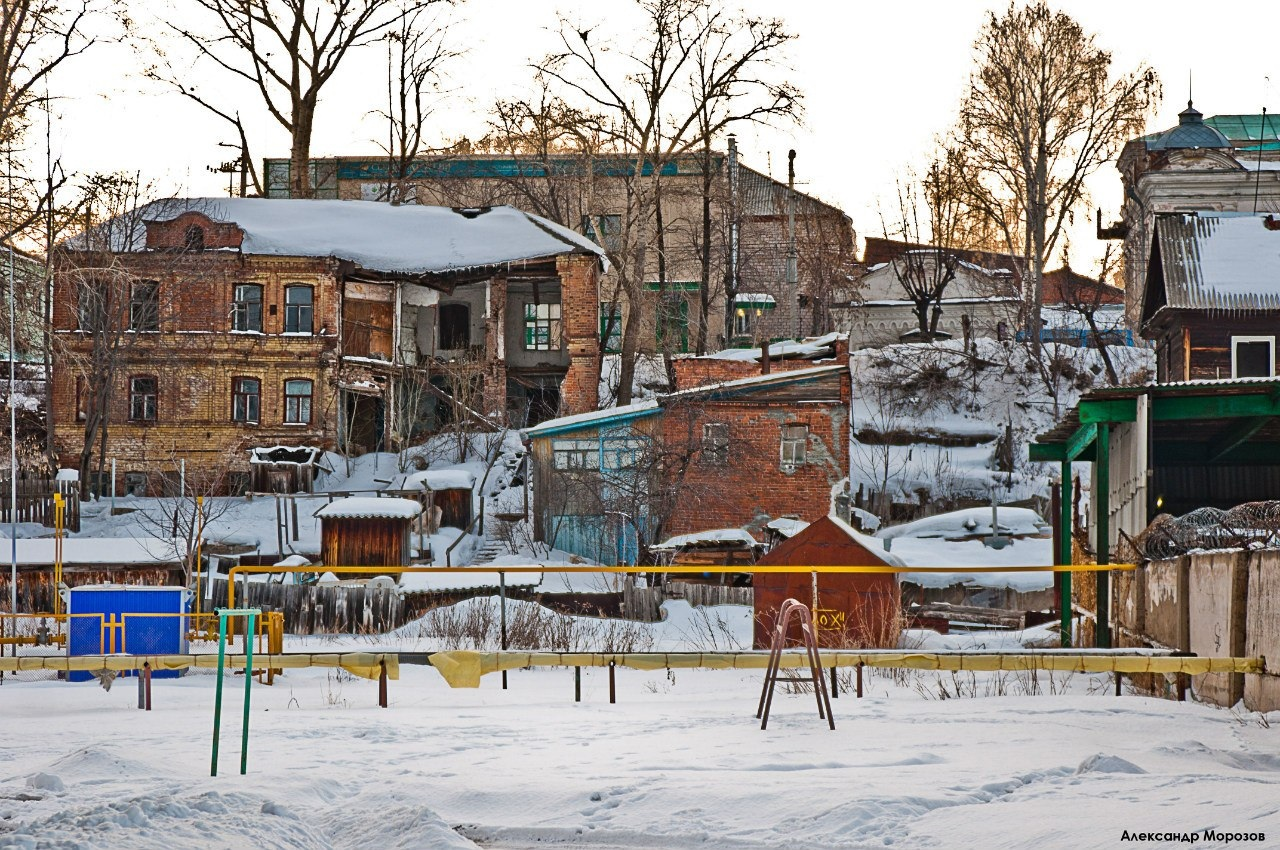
x=298, y=309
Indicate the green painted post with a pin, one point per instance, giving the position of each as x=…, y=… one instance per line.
x=1064, y=551
x=217, y=700
x=1102, y=507
x=248, y=680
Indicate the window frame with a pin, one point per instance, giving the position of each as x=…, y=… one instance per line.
x=793, y=445
x=1271, y=360
x=250, y=399
x=293, y=406
x=293, y=312
x=611, y=312
x=576, y=455
x=535, y=324
x=136, y=395
x=150, y=304
x=453, y=308
x=239, y=308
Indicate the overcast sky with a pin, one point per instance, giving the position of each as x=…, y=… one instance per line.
x=881, y=81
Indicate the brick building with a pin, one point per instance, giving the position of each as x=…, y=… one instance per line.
x=748, y=294
x=731, y=454
x=201, y=328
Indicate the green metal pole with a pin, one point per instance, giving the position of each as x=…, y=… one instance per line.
x=1102, y=507
x=1064, y=550
x=248, y=680
x=217, y=700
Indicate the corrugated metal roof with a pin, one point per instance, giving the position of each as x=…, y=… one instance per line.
x=1246, y=128
x=1219, y=262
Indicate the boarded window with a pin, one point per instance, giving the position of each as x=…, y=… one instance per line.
x=715, y=443
x=455, y=326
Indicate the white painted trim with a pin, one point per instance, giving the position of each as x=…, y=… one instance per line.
x=1268, y=339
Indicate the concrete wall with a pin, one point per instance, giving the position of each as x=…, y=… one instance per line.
x=1211, y=604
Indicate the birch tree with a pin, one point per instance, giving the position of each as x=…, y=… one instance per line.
x=1044, y=110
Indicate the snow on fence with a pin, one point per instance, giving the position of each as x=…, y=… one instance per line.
x=323, y=609
x=35, y=501
x=645, y=603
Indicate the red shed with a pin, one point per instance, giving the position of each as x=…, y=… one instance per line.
x=853, y=609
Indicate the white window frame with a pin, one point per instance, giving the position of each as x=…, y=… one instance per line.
x=793, y=451
x=1271, y=360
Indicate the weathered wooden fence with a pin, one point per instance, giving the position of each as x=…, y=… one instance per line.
x=35, y=501
x=645, y=603
x=314, y=609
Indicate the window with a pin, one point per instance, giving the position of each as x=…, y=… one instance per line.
x=144, y=306
x=604, y=230
x=297, y=402
x=93, y=297
x=1253, y=356
x=576, y=454
x=246, y=398
x=455, y=326
x=611, y=327
x=541, y=327
x=246, y=310
x=673, y=324
x=298, y=310
x=795, y=439
x=142, y=399
x=715, y=443
x=193, y=238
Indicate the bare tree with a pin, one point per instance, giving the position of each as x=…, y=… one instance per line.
x=652, y=100
x=287, y=50
x=416, y=53
x=1042, y=113
x=1085, y=297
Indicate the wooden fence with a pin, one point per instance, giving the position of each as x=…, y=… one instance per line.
x=35, y=501
x=313, y=609
x=645, y=603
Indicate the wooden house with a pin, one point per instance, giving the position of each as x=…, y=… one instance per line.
x=360, y=531
x=850, y=609
x=1211, y=302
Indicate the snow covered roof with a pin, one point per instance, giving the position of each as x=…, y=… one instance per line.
x=443, y=479
x=754, y=380
x=867, y=542
x=380, y=237
x=98, y=550
x=810, y=349
x=298, y=455
x=565, y=423
x=370, y=507
x=787, y=526
x=706, y=539
x=970, y=522
x=1215, y=262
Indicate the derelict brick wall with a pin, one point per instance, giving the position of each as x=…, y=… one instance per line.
x=752, y=488
x=699, y=371
x=195, y=356
x=580, y=317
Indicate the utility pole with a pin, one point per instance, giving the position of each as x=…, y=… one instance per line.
x=793, y=271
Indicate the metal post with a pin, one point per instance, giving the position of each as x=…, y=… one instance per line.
x=217, y=694
x=248, y=680
x=502, y=617
x=13, y=442
x=113, y=486
x=1118, y=677
x=293, y=509
x=146, y=675
x=859, y=682
x=835, y=686
x=382, y=684
x=1064, y=550
x=142, y=696
x=613, y=691
x=1102, y=526
x=577, y=684
x=182, y=478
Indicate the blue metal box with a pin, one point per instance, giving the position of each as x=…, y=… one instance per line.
x=124, y=625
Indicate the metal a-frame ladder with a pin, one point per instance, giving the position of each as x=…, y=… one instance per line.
x=792, y=608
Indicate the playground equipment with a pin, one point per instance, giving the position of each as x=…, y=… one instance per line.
x=789, y=609
x=223, y=613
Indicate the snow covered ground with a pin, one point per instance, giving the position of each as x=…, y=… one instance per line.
x=678, y=762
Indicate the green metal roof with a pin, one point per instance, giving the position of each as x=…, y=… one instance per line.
x=1246, y=128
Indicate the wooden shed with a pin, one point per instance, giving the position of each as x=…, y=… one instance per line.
x=366, y=531
x=851, y=609
x=283, y=469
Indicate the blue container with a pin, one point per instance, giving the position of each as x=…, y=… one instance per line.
x=122, y=629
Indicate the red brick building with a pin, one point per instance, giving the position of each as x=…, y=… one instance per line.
x=196, y=329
